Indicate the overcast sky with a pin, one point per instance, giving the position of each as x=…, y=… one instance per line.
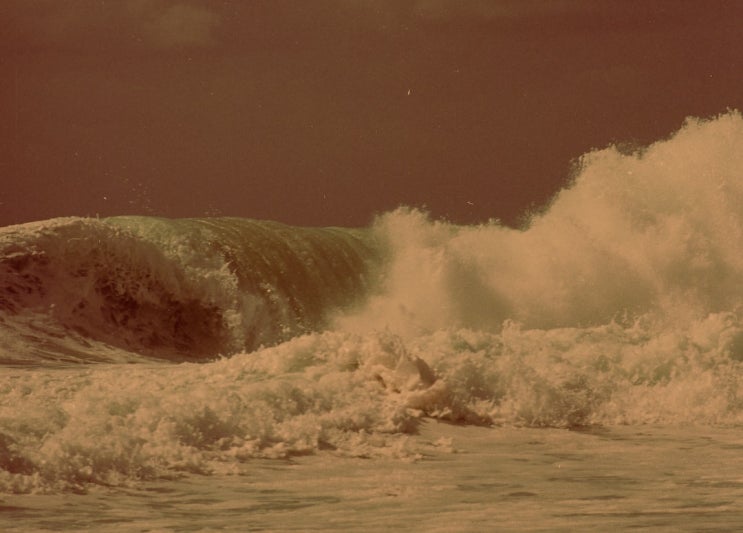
x=327, y=112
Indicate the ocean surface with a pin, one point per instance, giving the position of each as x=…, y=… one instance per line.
x=583, y=372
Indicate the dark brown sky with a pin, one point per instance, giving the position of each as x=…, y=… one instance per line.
x=329, y=111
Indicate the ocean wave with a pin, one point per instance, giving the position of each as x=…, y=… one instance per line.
x=619, y=303
x=173, y=289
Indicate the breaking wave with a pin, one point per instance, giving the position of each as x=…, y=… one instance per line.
x=619, y=303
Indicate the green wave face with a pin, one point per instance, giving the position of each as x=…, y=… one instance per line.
x=177, y=289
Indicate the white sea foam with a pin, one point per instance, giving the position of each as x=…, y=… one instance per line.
x=356, y=395
x=658, y=230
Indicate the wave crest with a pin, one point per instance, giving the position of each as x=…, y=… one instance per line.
x=657, y=231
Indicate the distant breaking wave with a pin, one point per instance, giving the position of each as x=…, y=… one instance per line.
x=173, y=289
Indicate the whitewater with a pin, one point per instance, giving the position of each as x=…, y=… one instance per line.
x=584, y=371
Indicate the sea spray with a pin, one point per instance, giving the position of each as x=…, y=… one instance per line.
x=657, y=231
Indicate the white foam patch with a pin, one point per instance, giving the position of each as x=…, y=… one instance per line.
x=357, y=395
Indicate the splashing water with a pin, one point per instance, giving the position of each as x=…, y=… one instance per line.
x=619, y=303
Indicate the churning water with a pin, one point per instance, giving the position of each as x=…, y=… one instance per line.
x=152, y=366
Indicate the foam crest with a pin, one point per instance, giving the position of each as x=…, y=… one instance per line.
x=654, y=231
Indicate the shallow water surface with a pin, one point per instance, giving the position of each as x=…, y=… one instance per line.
x=473, y=479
